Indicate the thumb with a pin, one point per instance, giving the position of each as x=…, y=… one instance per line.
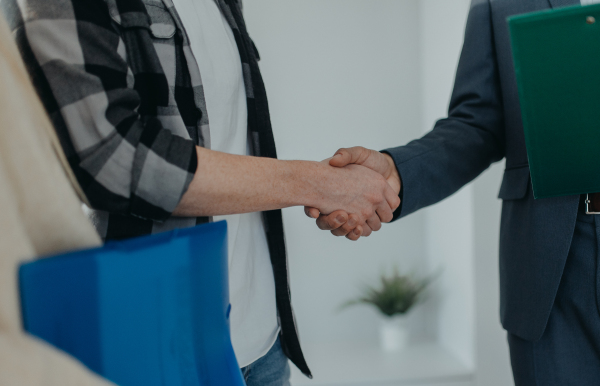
x=312, y=212
x=345, y=157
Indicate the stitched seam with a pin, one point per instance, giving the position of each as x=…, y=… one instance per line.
x=519, y=166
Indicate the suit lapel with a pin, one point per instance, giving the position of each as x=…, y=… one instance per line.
x=564, y=3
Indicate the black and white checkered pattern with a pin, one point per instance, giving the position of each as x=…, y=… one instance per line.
x=125, y=94
x=126, y=115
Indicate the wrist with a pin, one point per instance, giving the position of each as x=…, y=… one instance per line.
x=393, y=173
x=391, y=164
x=306, y=181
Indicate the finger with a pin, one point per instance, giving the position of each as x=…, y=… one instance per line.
x=353, y=155
x=374, y=223
x=385, y=213
x=312, y=212
x=355, y=234
x=332, y=221
x=366, y=230
x=352, y=223
x=307, y=211
x=392, y=198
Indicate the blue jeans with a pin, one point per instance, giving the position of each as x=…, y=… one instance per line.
x=271, y=370
x=568, y=354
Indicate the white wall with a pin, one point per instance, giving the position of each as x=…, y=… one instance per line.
x=492, y=358
x=378, y=73
x=449, y=237
x=462, y=232
x=340, y=73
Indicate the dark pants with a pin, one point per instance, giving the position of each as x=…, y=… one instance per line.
x=569, y=351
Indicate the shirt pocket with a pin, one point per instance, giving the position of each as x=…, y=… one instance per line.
x=163, y=25
x=515, y=183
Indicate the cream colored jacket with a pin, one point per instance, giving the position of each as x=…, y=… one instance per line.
x=40, y=214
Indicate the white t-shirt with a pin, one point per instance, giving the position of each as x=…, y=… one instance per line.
x=254, y=324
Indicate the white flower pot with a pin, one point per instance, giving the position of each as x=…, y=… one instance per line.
x=393, y=333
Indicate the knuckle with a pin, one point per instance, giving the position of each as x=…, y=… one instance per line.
x=374, y=197
x=353, y=220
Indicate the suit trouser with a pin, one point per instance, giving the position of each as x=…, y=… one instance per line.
x=569, y=351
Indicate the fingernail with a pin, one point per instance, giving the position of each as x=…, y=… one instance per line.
x=357, y=232
x=340, y=219
x=352, y=222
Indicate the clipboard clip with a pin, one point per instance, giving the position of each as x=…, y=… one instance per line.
x=587, y=205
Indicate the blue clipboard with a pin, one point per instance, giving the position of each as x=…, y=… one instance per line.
x=141, y=312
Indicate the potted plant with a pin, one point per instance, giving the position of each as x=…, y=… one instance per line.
x=394, y=298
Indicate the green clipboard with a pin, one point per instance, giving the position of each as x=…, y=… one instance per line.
x=557, y=62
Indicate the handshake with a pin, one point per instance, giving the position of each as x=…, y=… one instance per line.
x=361, y=194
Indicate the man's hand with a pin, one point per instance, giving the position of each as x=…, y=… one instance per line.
x=354, y=189
x=230, y=184
x=340, y=223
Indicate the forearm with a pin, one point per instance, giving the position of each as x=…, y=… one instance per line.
x=438, y=165
x=230, y=184
x=472, y=137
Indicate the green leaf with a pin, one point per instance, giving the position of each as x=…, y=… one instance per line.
x=395, y=295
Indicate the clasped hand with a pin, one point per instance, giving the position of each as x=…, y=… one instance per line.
x=370, y=196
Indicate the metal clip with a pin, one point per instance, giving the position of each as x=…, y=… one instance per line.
x=587, y=205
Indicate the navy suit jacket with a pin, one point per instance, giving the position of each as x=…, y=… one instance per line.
x=484, y=126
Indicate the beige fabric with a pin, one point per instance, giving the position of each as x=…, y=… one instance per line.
x=39, y=214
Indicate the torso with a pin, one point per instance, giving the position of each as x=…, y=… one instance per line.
x=254, y=326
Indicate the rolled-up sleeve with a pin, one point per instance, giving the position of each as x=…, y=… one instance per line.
x=125, y=163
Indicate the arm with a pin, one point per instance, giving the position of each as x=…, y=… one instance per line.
x=134, y=166
x=228, y=184
x=460, y=147
x=125, y=163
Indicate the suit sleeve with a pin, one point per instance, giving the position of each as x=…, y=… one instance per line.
x=471, y=138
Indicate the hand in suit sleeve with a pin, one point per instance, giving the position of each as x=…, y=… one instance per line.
x=468, y=141
x=471, y=138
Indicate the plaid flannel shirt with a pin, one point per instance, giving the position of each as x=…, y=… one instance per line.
x=124, y=92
